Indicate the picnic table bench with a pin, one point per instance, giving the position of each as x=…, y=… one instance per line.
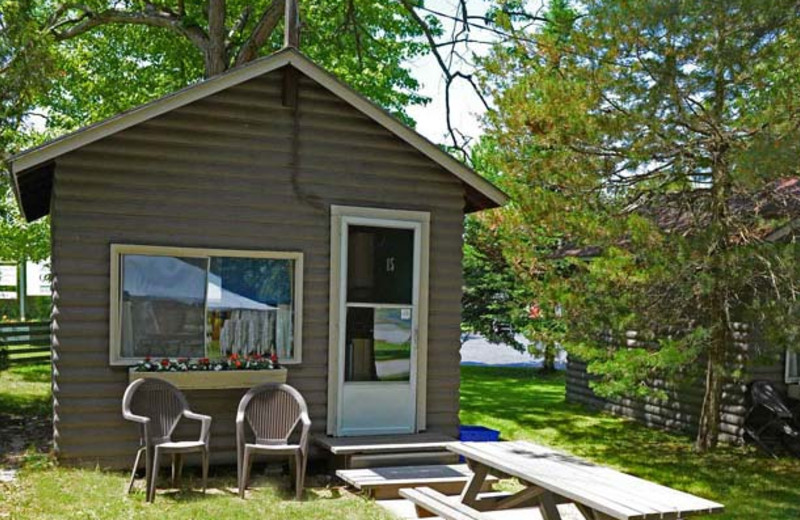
x=551, y=477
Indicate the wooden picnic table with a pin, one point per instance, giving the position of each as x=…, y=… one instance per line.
x=551, y=477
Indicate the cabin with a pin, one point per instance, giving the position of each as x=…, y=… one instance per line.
x=679, y=410
x=777, y=209
x=270, y=209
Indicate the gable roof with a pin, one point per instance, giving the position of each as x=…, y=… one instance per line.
x=769, y=214
x=32, y=169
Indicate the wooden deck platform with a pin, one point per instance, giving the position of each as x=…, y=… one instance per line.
x=384, y=483
x=387, y=450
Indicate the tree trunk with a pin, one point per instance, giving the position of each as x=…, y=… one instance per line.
x=549, y=362
x=708, y=431
x=216, y=60
x=719, y=305
x=718, y=245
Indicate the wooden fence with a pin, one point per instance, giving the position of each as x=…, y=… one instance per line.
x=24, y=342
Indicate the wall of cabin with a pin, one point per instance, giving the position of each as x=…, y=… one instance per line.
x=236, y=170
x=680, y=412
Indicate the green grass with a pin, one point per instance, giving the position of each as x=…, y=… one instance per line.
x=523, y=404
x=25, y=390
x=46, y=491
x=62, y=493
x=15, y=353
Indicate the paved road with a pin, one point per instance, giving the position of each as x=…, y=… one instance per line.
x=477, y=351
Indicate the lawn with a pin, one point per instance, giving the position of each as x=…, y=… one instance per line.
x=522, y=403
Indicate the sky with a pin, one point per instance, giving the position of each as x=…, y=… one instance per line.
x=466, y=106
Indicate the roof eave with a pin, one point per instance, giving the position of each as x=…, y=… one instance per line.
x=33, y=158
x=17, y=194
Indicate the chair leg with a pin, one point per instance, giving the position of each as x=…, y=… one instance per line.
x=205, y=469
x=305, y=470
x=179, y=469
x=239, y=463
x=174, y=472
x=135, y=467
x=292, y=470
x=151, y=492
x=245, y=472
x=148, y=470
x=300, y=475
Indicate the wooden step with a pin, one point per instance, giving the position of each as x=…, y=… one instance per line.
x=386, y=450
x=385, y=483
x=377, y=460
x=383, y=443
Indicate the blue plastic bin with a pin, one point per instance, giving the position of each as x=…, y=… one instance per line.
x=474, y=433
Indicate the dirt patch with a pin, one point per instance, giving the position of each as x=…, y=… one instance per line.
x=18, y=434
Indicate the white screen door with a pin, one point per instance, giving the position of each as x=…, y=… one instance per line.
x=378, y=323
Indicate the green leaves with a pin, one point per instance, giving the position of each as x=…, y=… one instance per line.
x=52, y=82
x=638, y=140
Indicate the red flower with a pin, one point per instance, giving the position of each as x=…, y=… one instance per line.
x=165, y=362
x=274, y=357
x=234, y=356
x=147, y=359
x=238, y=364
x=256, y=356
x=204, y=361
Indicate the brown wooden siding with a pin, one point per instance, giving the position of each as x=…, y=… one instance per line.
x=228, y=172
x=681, y=410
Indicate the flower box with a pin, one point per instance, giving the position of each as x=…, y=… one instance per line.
x=210, y=379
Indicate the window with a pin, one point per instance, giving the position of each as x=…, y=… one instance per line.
x=179, y=302
x=379, y=296
x=792, y=366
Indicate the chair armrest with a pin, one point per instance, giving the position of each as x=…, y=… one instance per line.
x=205, y=423
x=144, y=422
x=306, y=422
x=135, y=418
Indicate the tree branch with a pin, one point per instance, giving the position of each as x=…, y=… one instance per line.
x=446, y=66
x=88, y=20
x=263, y=29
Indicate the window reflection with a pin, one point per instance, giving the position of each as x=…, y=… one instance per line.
x=250, y=306
x=792, y=366
x=380, y=265
x=206, y=306
x=163, y=302
x=378, y=344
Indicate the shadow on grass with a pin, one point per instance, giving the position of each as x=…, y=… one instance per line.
x=33, y=373
x=25, y=390
x=25, y=411
x=525, y=404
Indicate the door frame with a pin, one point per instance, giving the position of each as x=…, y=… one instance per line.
x=338, y=273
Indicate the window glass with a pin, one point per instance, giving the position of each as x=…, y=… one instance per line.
x=380, y=265
x=378, y=344
x=205, y=305
x=250, y=306
x=163, y=305
x=792, y=366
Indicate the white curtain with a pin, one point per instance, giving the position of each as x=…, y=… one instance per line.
x=247, y=331
x=283, y=343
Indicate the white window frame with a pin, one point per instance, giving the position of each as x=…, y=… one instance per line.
x=789, y=378
x=115, y=317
